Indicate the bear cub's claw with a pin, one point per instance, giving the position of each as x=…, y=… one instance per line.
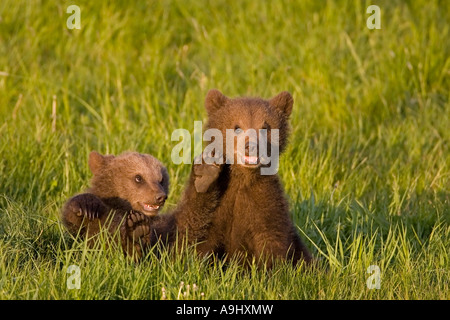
x=86, y=205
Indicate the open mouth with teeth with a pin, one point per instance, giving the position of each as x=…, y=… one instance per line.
x=249, y=161
x=253, y=161
x=150, y=209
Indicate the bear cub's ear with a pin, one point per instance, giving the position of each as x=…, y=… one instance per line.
x=97, y=161
x=214, y=100
x=283, y=102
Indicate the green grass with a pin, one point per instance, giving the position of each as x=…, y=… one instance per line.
x=366, y=170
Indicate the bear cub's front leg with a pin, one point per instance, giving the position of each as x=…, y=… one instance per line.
x=205, y=175
x=207, y=172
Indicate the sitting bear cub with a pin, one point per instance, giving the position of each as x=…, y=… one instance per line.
x=252, y=218
x=126, y=194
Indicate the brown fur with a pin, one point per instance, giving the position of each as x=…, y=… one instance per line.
x=115, y=199
x=252, y=218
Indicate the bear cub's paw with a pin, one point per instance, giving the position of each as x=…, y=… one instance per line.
x=137, y=226
x=86, y=205
x=208, y=171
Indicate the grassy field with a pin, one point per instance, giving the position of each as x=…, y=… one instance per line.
x=366, y=171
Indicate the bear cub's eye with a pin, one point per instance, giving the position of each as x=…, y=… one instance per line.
x=138, y=178
x=237, y=129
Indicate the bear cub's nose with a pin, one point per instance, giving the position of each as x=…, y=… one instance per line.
x=160, y=198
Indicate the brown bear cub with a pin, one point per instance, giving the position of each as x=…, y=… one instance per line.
x=252, y=218
x=126, y=194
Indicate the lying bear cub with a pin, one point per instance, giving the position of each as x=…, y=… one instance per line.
x=126, y=194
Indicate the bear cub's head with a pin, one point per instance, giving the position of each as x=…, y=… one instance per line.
x=140, y=179
x=251, y=123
